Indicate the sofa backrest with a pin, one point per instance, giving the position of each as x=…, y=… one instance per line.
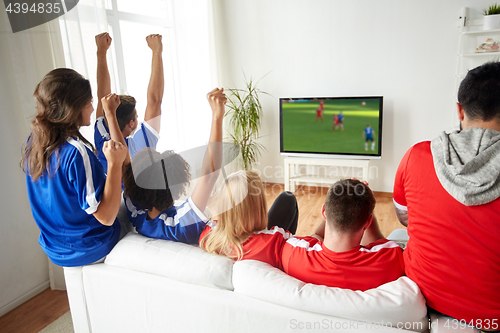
x=174, y=260
x=398, y=304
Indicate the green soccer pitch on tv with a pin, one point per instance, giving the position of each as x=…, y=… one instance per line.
x=346, y=127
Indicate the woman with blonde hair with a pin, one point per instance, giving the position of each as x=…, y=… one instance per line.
x=73, y=202
x=244, y=229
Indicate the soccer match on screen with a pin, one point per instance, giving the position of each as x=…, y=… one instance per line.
x=331, y=125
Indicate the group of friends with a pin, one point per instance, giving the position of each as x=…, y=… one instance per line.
x=446, y=192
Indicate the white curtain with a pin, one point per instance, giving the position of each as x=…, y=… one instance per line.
x=188, y=56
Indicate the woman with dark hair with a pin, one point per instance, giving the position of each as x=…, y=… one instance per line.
x=73, y=203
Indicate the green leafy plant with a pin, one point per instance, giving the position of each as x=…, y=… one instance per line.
x=245, y=115
x=492, y=10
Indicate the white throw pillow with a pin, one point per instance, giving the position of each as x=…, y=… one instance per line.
x=174, y=260
x=399, y=304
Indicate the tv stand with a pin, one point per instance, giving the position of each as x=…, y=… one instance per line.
x=292, y=177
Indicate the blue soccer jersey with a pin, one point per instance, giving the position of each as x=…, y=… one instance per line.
x=341, y=118
x=63, y=205
x=144, y=136
x=368, y=133
x=183, y=223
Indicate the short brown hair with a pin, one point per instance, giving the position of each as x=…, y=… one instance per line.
x=348, y=205
x=125, y=111
x=148, y=187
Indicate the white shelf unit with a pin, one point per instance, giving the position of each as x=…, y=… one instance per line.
x=471, y=35
x=294, y=176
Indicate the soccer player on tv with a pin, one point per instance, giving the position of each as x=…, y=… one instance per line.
x=319, y=114
x=369, y=134
x=335, y=122
x=341, y=120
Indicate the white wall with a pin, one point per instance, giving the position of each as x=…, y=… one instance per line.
x=24, y=58
x=403, y=50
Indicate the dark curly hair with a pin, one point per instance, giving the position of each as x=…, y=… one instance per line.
x=156, y=180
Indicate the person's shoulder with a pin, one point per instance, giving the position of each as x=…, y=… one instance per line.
x=379, y=245
x=422, y=146
x=307, y=243
x=74, y=147
x=274, y=232
x=419, y=149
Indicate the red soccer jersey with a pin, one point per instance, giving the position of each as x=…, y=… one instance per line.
x=454, y=250
x=362, y=268
x=265, y=245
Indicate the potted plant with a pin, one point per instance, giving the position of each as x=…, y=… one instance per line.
x=245, y=115
x=491, y=17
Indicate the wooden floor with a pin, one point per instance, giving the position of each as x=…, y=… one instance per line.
x=43, y=309
x=35, y=314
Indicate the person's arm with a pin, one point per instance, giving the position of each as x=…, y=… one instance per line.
x=156, y=83
x=103, y=41
x=399, y=193
x=107, y=210
x=402, y=215
x=320, y=231
x=213, y=157
x=110, y=103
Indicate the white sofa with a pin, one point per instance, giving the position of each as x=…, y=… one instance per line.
x=151, y=285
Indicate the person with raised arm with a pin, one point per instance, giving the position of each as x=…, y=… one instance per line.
x=72, y=200
x=137, y=135
x=153, y=181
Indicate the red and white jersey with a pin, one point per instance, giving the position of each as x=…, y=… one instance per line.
x=361, y=268
x=265, y=245
x=454, y=250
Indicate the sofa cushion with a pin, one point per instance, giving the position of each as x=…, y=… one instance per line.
x=174, y=260
x=398, y=303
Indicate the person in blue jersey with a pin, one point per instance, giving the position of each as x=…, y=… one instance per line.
x=153, y=181
x=73, y=202
x=369, y=135
x=137, y=135
x=340, y=117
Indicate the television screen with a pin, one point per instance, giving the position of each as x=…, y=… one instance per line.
x=349, y=127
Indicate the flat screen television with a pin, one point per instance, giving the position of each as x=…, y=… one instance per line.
x=341, y=127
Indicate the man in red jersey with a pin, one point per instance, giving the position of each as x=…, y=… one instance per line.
x=338, y=259
x=447, y=192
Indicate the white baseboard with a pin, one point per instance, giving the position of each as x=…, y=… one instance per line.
x=20, y=300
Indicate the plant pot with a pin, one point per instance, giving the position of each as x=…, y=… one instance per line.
x=491, y=22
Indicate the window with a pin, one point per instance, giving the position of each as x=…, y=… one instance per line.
x=187, y=60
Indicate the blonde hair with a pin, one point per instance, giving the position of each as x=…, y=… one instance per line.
x=243, y=210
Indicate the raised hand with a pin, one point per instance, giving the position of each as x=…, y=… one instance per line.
x=217, y=100
x=154, y=42
x=115, y=152
x=110, y=103
x=103, y=41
